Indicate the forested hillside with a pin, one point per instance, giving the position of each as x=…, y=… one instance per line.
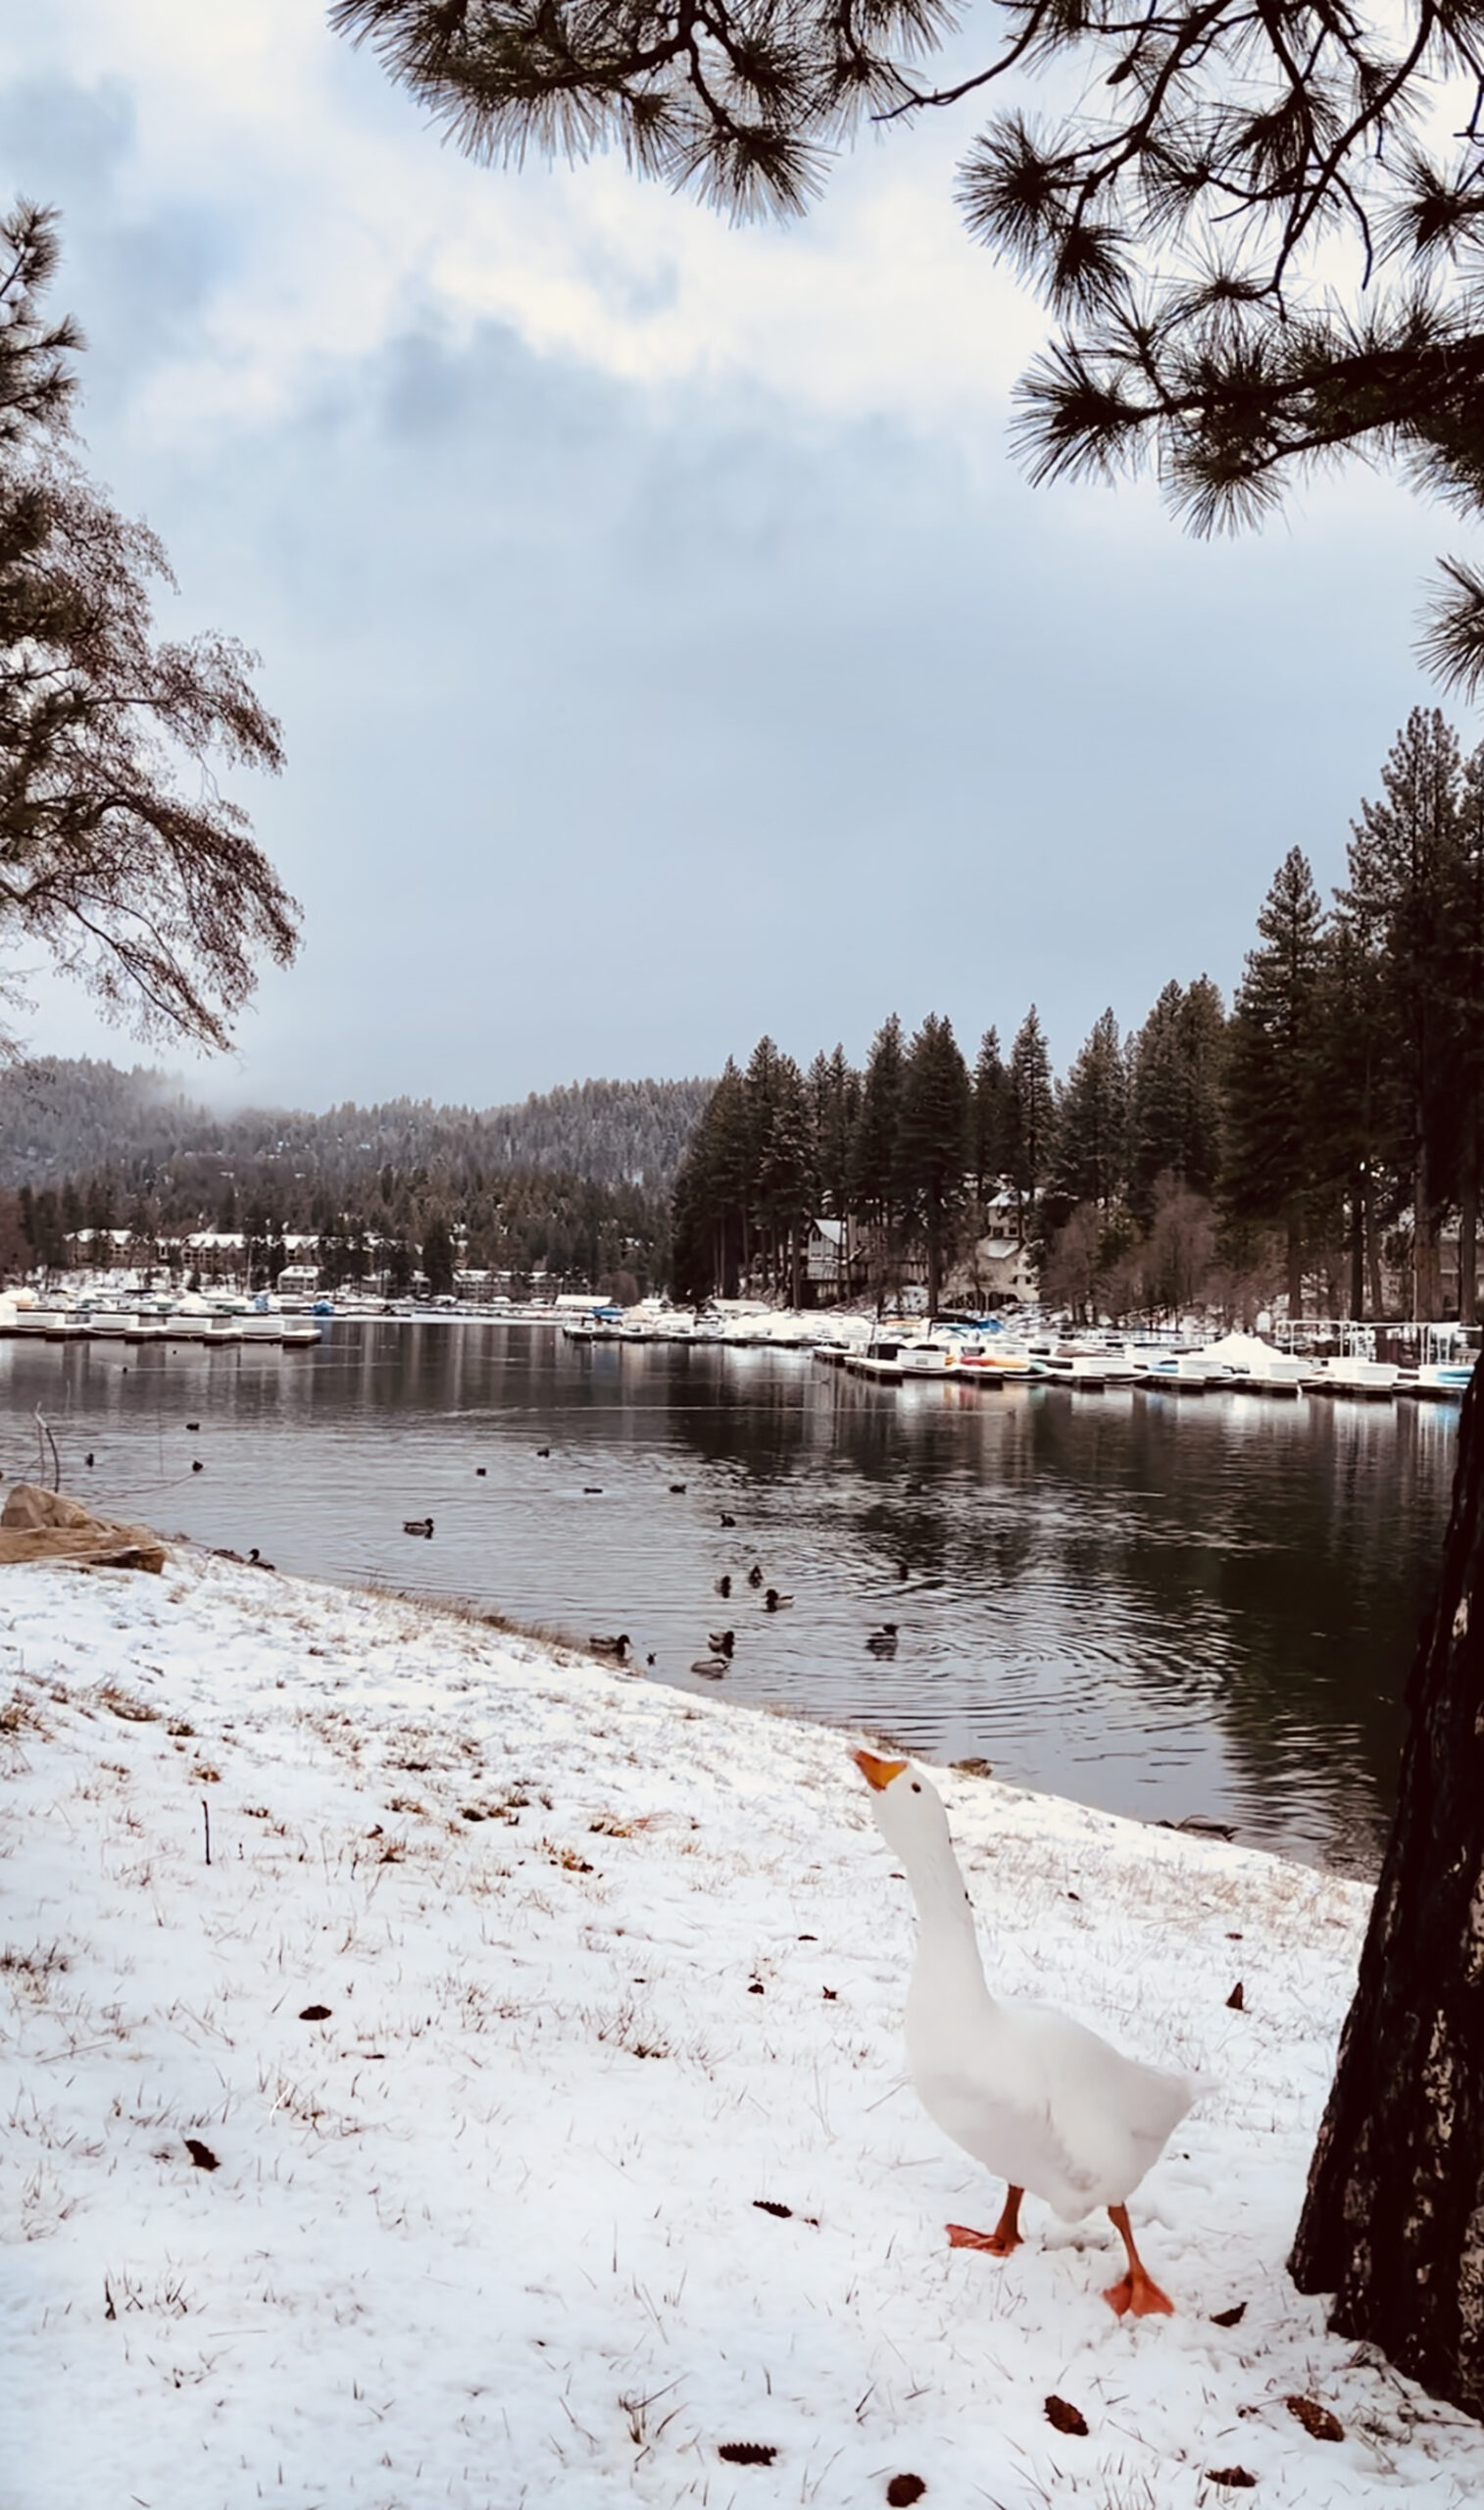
x=79, y=1119
x=574, y=1185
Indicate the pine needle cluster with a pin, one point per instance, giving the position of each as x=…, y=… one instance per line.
x=1258, y=228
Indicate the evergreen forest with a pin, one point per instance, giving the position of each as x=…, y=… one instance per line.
x=1318, y=1142
x=573, y=1185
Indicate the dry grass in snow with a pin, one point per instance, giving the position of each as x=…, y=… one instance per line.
x=512, y=2111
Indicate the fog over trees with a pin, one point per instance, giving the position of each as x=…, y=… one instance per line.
x=573, y=1184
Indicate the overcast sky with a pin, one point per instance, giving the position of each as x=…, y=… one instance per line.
x=667, y=645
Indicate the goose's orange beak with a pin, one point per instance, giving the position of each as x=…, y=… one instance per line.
x=877, y=1773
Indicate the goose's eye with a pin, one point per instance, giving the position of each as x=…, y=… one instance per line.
x=915, y=1788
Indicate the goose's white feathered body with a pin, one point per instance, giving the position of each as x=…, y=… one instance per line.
x=1034, y=2095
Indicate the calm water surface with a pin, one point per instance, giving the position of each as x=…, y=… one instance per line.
x=1164, y=1606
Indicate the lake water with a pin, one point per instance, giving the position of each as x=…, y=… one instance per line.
x=1164, y=1606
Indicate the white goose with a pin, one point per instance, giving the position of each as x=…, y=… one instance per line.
x=1037, y=2097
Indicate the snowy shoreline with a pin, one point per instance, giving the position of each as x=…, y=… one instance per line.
x=601, y=2156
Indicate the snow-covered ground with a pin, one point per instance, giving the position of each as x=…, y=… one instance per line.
x=599, y=2157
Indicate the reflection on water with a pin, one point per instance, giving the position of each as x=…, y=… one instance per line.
x=1159, y=1605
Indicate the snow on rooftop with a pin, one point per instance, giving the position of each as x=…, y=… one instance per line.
x=599, y=2155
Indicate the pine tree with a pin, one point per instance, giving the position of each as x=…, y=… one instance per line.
x=118, y=852
x=1277, y=1041
x=1092, y=1123
x=873, y=1180
x=1029, y=1118
x=933, y=1143
x=1175, y=1094
x=1403, y=868
x=1464, y=978
x=712, y=1193
x=439, y=1256
x=835, y=1107
x=991, y=1095
x=1355, y=1125
x=1392, y=2223
x=786, y=1176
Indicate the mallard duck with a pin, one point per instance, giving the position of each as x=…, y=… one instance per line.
x=1040, y=2099
x=755, y=1576
x=713, y=1667
x=773, y=1601
x=723, y=1587
x=883, y=1642
x=423, y=1526
x=615, y=1649
x=721, y=1641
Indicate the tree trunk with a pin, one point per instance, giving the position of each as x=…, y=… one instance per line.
x=1356, y=1248
x=1426, y=1264
x=1468, y=1223
x=1295, y=1267
x=1392, y=2223
x=1373, y=1251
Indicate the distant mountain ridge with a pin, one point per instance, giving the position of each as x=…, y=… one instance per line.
x=62, y=1119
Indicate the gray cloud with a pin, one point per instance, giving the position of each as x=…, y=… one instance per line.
x=627, y=721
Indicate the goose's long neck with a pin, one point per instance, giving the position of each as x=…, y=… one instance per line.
x=948, y=1948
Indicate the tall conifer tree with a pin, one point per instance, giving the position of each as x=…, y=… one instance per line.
x=991, y=1091
x=1402, y=858
x=873, y=1166
x=934, y=1143
x=1091, y=1125
x=1030, y=1118
x=1274, y=1064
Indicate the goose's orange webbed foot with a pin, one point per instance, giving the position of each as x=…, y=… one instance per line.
x=999, y=2243
x=1138, y=2296
x=1135, y=2295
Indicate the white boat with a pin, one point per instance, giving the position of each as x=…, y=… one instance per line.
x=1444, y=1368
x=1354, y=1370
x=1244, y=1364
x=1089, y=1365
x=882, y=1359
x=935, y=1355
